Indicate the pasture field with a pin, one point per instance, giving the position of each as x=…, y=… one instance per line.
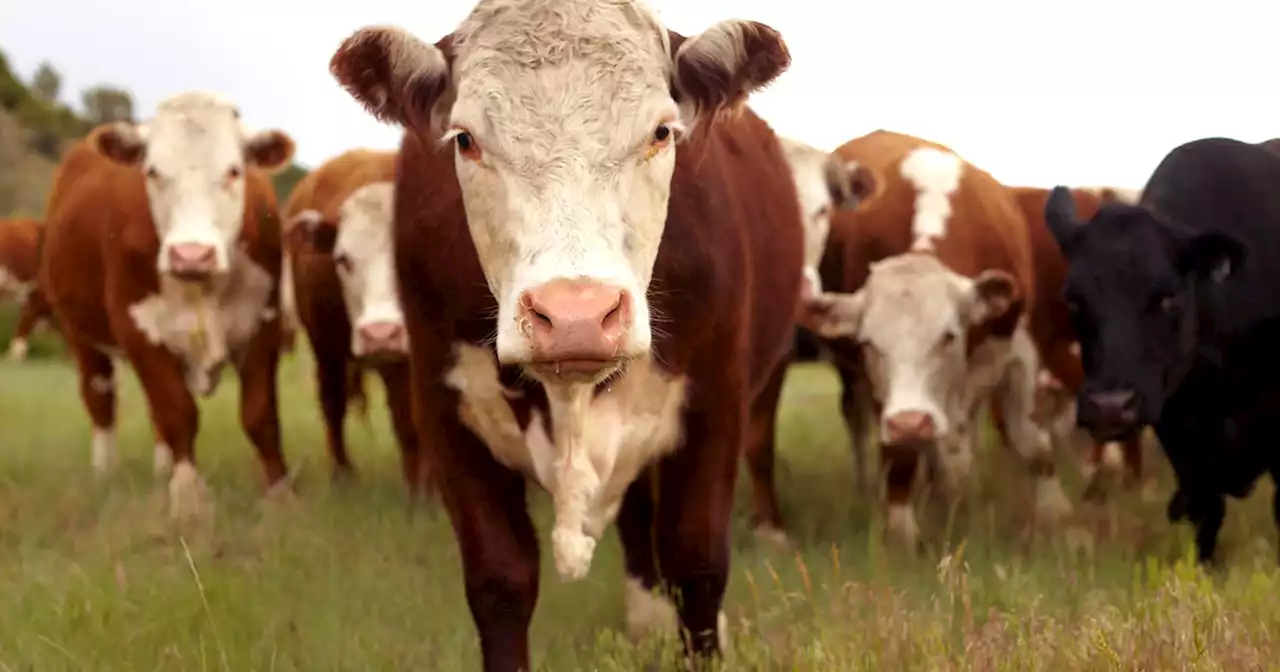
x=94, y=577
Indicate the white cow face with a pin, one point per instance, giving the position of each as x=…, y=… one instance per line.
x=564, y=118
x=194, y=152
x=361, y=245
x=824, y=183
x=912, y=318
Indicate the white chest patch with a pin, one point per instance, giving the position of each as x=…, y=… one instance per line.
x=207, y=329
x=13, y=288
x=600, y=447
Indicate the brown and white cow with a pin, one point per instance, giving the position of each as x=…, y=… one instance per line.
x=599, y=252
x=825, y=183
x=19, y=262
x=1060, y=379
x=339, y=240
x=163, y=246
x=938, y=277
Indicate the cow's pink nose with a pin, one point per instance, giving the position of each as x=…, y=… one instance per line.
x=911, y=426
x=384, y=337
x=576, y=326
x=192, y=261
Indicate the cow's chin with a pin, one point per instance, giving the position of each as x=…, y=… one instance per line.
x=576, y=371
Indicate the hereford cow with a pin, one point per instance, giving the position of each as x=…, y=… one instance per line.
x=339, y=236
x=1174, y=302
x=825, y=183
x=163, y=247
x=937, y=282
x=1060, y=380
x=19, y=261
x=599, y=268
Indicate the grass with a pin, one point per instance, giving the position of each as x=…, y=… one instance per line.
x=92, y=576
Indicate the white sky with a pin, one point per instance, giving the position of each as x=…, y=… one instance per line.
x=1084, y=92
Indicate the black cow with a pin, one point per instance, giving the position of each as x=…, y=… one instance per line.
x=1177, y=305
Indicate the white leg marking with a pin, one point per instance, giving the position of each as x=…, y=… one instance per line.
x=900, y=526
x=103, y=448
x=18, y=349
x=188, y=493
x=1112, y=456
x=935, y=175
x=651, y=611
x=771, y=536
x=162, y=459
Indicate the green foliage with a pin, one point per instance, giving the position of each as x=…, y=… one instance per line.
x=287, y=179
x=47, y=82
x=106, y=104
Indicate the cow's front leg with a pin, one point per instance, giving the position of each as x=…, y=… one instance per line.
x=486, y=506
x=259, y=406
x=761, y=453
x=693, y=508
x=1016, y=396
x=176, y=418
x=417, y=476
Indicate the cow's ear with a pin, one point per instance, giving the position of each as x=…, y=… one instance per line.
x=310, y=231
x=834, y=315
x=847, y=182
x=120, y=141
x=991, y=296
x=1211, y=256
x=270, y=150
x=394, y=75
x=715, y=70
x=1060, y=216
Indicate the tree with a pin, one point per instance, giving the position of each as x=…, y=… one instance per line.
x=47, y=83
x=104, y=104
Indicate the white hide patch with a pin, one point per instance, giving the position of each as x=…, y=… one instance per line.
x=206, y=330
x=18, y=348
x=935, y=174
x=808, y=170
x=600, y=446
x=162, y=459
x=365, y=241
x=651, y=612
x=103, y=448
x=11, y=287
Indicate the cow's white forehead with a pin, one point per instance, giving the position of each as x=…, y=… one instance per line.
x=198, y=118
x=531, y=74
x=366, y=219
x=911, y=295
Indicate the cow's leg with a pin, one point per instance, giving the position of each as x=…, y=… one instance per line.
x=857, y=408
x=648, y=607
x=900, y=464
x=395, y=379
x=176, y=418
x=1015, y=395
x=98, y=390
x=486, y=505
x=259, y=406
x=766, y=515
x=331, y=382
x=288, y=306
x=162, y=456
x=34, y=309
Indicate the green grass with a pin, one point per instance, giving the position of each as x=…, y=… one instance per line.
x=92, y=576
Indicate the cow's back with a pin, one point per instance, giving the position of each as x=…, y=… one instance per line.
x=19, y=243
x=328, y=186
x=984, y=229
x=1233, y=187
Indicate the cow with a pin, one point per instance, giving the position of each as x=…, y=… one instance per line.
x=825, y=183
x=1050, y=323
x=338, y=233
x=162, y=247
x=600, y=255
x=1173, y=302
x=936, y=288
x=19, y=261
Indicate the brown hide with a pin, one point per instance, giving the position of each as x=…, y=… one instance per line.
x=20, y=260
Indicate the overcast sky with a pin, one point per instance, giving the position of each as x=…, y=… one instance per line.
x=1036, y=92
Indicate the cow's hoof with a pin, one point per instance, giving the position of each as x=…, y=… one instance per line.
x=1052, y=504
x=189, y=496
x=162, y=460
x=573, y=551
x=772, y=537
